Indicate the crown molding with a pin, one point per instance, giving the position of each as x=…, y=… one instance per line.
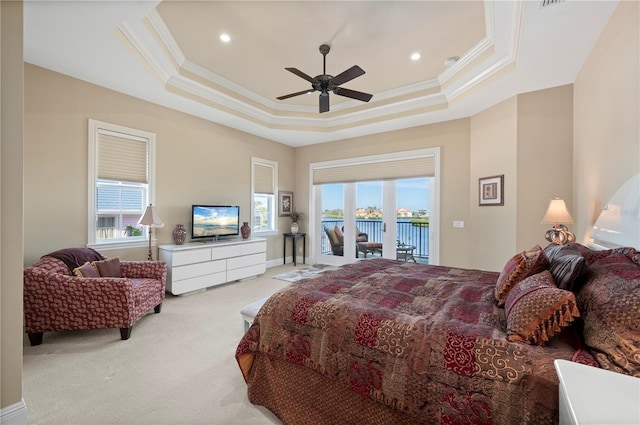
x=149, y=36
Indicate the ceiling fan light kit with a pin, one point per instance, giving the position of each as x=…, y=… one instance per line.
x=325, y=83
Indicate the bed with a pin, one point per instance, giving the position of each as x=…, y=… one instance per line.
x=387, y=342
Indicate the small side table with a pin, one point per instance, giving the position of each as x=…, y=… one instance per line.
x=294, y=237
x=405, y=252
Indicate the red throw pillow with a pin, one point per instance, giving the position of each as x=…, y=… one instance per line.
x=339, y=234
x=519, y=267
x=109, y=268
x=536, y=309
x=86, y=270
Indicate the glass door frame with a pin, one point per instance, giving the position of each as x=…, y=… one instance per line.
x=389, y=242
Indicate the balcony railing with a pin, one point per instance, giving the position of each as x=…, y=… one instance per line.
x=406, y=233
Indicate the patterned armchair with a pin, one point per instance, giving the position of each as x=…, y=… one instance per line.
x=55, y=299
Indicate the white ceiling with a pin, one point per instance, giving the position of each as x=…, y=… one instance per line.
x=169, y=53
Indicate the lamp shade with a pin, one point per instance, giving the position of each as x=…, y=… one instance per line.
x=151, y=217
x=557, y=212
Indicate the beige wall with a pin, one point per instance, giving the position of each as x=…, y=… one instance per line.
x=453, y=139
x=196, y=162
x=11, y=221
x=528, y=138
x=493, y=152
x=607, y=117
x=545, y=160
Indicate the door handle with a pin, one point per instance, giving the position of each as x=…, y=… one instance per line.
x=384, y=227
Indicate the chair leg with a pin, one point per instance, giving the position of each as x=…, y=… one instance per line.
x=125, y=333
x=35, y=338
x=157, y=308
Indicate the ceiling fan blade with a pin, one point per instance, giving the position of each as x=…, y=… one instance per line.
x=287, y=96
x=365, y=97
x=348, y=75
x=302, y=75
x=324, y=102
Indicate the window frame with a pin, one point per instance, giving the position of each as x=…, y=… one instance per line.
x=273, y=210
x=95, y=127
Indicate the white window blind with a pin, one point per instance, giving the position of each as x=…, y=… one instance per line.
x=263, y=179
x=376, y=170
x=122, y=158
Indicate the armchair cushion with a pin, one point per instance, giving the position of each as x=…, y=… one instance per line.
x=333, y=238
x=339, y=234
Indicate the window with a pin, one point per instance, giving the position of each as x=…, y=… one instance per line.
x=395, y=171
x=264, y=184
x=121, y=177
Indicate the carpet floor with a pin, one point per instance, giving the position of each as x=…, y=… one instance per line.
x=302, y=273
x=178, y=367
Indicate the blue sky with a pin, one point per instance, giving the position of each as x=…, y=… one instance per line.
x=413, y=194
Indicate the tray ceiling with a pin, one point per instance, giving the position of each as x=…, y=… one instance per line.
x=170, y=53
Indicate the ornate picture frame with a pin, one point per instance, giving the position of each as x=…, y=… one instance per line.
x=285, y=204
x=491, y=191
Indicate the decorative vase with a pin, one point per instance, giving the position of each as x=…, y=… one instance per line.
x=294, y=227
x=245, y=230
x=179, y=234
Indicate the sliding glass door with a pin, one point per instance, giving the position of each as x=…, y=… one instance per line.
x=412, y=218
x=390, y=219
x=394, y=216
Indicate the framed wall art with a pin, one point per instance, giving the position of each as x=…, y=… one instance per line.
x=491, y=191
x=286, y=203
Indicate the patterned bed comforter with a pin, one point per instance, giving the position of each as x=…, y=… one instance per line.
x=427, y=341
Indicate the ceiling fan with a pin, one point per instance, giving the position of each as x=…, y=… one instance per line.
x=325, y=83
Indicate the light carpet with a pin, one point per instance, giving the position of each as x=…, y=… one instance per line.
x=178, y=367
x=299, y=274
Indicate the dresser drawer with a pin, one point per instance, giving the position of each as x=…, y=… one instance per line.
x=192, y=256
x=199, y=269
x=247, y=260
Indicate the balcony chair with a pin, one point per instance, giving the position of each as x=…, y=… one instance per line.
x=56, y=296
x=336, y=239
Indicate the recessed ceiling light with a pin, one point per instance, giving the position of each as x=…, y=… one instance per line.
x=415, y=56
x=225, y=37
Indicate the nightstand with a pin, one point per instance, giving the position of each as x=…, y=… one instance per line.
x=589, y=395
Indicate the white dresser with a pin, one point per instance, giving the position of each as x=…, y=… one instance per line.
x=198, y=265
x=593, y=396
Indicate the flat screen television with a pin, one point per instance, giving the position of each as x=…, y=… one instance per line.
x=214, y=221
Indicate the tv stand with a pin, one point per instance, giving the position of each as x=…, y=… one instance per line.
x=198, y=265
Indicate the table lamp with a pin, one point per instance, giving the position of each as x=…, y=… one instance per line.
x=557, y=214
x=152, y=219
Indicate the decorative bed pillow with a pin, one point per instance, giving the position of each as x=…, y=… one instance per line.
x=609, y=302
x=339, y=234
x=109, y=268
x=519, y=267
x=86, y=270
x=536, y=309
x=592, y=255
x=567, y=265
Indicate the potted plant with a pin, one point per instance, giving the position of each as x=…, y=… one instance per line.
x=296, y=217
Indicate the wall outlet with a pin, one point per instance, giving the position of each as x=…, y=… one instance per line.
x=458, y=224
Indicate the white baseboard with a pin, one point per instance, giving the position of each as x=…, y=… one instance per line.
x=289, y=259
x=16, y=414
